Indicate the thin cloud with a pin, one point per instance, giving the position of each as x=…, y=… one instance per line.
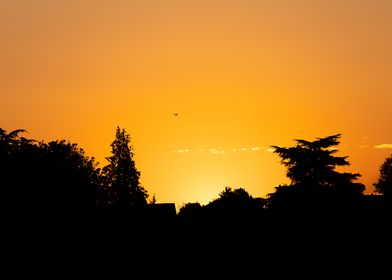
x=383, y=146
x=246, y=149
x=363, y=146
x=270, y=150
x=217, y=151
x=182, y=151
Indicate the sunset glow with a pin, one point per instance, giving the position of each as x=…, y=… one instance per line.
x=242, y=75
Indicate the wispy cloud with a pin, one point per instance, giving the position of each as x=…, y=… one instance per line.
x=216, y=151
x=219, y=151
x=245, y=149
x=383, y=146
x=270, y=150
x=182, y=151
x=363, y=146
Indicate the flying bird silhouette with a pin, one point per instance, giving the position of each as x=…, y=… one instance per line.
x=175, y=114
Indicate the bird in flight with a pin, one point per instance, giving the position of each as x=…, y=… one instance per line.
x=175, y=114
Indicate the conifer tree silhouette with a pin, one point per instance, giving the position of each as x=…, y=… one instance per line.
x=314, y=180
x=121, y=176
x=384, y=182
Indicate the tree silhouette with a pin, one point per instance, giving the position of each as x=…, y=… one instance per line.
x=190, y=215
x=384, y=182
x=72, y=178
x=235, y=200
x=233, y=207
x=153, y=200
x=10, y=138
x=313, y=162
x=12, y=142
x=15, y=156
x=121, y=176
x=189, y=209
x=314, y=181
x=45, y=175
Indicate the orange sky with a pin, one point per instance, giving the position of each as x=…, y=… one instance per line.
x=242, y=74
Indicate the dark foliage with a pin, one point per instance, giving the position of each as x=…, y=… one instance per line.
x=233, y=207
x=121, y=178
x=384, y=182
x=59, y=176
x=315, y=184
x=54, y=175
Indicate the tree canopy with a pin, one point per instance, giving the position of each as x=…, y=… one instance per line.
x=313, y=162
x=311, y=167
x=384, y=182
x=42, y=175
x=121, y=176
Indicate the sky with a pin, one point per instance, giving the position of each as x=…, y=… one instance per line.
x=242, y=75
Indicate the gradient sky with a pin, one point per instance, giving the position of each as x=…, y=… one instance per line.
x=242, y=74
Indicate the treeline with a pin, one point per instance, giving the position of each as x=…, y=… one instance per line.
x=58, y=175
x=318, y=195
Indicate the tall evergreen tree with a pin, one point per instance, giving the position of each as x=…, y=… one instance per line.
x=121, y=175
x=384, y=182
